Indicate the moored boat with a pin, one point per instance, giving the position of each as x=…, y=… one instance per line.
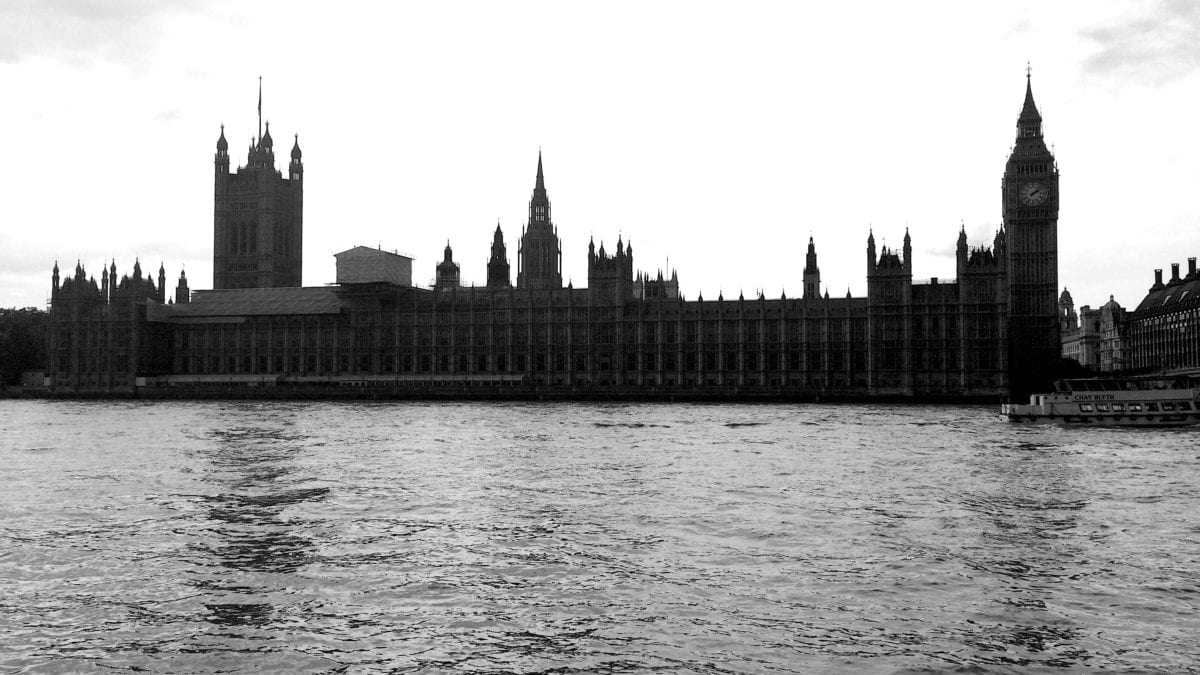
x=1142, y=401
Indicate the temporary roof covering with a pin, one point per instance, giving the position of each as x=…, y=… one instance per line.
x=258, y=302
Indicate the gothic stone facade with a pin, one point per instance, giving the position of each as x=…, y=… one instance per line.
x=624, y=332
x=939, y=342
x=904, y=338
x=257, y=218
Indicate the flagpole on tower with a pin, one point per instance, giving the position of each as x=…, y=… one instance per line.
x=260, y=108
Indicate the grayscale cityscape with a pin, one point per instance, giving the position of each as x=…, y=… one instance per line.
x=407, y=418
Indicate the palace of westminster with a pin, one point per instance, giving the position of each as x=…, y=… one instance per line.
x=996, y=331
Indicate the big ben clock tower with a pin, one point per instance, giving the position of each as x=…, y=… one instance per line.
x=1030, y=196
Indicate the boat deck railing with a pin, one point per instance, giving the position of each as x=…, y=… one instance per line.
x=1131, y=384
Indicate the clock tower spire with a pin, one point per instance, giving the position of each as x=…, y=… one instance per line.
x=1030, y=207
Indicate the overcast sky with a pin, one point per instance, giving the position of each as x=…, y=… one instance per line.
x=716, y=137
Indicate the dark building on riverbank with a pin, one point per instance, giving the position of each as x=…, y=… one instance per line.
x=627, y=332
x=258, y=224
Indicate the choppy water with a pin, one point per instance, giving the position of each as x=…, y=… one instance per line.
x=319, y=537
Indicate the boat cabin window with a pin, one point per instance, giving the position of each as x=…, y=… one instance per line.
x=1168, y=406
x=1101, y=407
x=1085, y=407
x=1138, y=384
x=1118, y=407
x=1185, y=405
x=1151, y=407
x=1135, y=407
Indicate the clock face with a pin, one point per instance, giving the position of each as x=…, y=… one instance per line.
x=1034, y=193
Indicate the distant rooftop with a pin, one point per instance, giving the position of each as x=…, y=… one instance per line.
x=366, y=265
x=258, y=302
x=1174, y=297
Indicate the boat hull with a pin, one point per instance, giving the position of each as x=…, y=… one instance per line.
x=1023, y=414
x=1146, y=401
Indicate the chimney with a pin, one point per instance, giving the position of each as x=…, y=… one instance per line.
x=1158, y=278
x=1191, y=267
x=1174, y=272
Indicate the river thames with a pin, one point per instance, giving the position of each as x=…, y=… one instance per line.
x=528, y=538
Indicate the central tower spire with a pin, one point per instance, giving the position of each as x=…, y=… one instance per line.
x=539, y=253
x=539, y=203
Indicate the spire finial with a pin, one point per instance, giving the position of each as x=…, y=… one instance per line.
x=260, y=107
x=1028, y=71
x=1029, y=119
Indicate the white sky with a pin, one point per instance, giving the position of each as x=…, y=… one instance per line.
x=718, y=136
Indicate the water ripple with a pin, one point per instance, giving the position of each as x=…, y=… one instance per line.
x=610, y=538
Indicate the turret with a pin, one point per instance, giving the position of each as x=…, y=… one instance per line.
x=262, y=154
x=497, y=267
x=812, y=273
x=162, y=283
x=54, y=280
x=447, y=271
x=871, y=259
x=1067, y=317
x=182, y=294
x=960, y=254
x=221, y=159
x=296, y=168
x=610, y=278
x=907, y=253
